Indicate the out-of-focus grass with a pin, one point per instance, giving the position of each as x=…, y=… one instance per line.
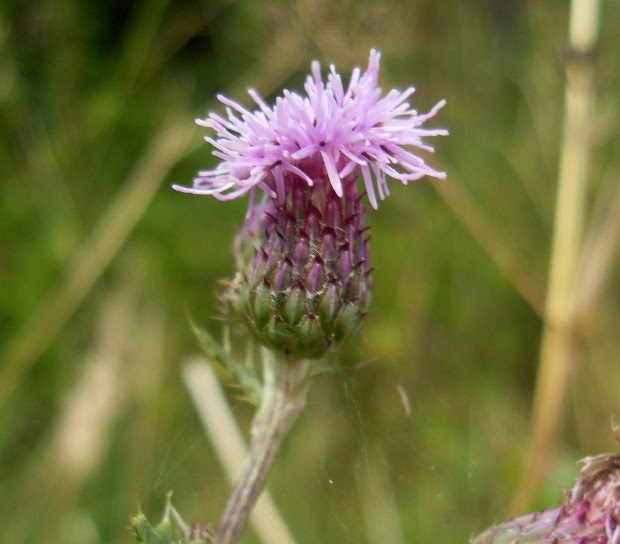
x=83, y=90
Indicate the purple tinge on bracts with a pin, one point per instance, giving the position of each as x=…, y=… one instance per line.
x=590, y=513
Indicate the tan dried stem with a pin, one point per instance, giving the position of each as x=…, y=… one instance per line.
x=378, y=500
x=285, y=387
x=169, y=144
x=559, y=343
x=600, y=246
x=227, y=441
x=497, y=248
x=79, y=439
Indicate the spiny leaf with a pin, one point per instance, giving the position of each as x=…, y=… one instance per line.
x=241, y=374
x=145, y=533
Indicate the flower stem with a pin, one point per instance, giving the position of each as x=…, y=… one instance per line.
x=284, y=397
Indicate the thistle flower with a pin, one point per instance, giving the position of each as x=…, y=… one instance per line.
x=306, y=282
x=329, y=134
x=590, y=513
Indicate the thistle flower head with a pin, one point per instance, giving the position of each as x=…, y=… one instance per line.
x=303, y=280
x=328, y=135
x=590, y=513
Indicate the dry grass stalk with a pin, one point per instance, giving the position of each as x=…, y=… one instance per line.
x=483, y=231
x=80, y=437
x=379, y=504
x=167, y=147
x=596, y=261
x=227, y=441
x=560, y=342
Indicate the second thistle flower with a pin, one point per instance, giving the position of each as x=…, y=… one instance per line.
x=589, y=514
x=303, y=281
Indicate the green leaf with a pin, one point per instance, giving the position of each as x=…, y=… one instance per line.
x=164, y=532
x=145, y=533
x=240, y=373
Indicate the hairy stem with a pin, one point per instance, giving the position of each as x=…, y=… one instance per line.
x=284, y=398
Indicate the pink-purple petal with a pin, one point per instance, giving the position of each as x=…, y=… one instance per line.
x=334, y=178
x=327, y=136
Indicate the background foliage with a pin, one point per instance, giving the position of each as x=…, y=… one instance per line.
x=101, y=262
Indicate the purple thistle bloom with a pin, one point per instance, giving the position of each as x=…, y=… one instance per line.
x=589, y=514
x=303, y=281
x=331, y=134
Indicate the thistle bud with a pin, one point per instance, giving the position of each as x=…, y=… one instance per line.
x=307, y=285
x=590, y=513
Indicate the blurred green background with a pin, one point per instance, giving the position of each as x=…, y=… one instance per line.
x=101, y=263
